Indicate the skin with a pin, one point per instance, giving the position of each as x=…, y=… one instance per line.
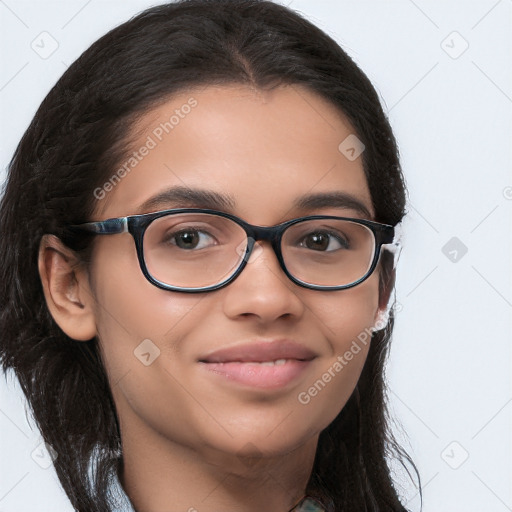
x=190, y=438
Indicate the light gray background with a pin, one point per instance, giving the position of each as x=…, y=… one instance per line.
x=450, y=108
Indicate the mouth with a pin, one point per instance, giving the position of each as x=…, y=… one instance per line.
x=261, y=365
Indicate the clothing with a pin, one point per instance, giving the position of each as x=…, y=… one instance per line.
x=308, y=505
x=121, y=502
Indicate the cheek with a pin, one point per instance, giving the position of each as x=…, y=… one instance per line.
x=344, y=314
x=141, y=329
x=134, y=317
x=346, y=318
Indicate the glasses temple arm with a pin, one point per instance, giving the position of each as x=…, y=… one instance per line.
x=104, y=227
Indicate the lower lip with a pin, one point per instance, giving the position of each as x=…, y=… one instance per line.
x=259, y=376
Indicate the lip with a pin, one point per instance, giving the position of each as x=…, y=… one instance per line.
x=261, y=351
x=242, y=364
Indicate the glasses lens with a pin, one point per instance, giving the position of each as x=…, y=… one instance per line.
x=193, y=250
x=328, y=252
x=197, y=250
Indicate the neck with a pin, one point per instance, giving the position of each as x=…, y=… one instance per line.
x=160, y=475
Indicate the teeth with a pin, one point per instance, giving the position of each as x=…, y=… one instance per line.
x=278, y=362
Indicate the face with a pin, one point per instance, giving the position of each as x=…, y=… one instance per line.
x=264, y=150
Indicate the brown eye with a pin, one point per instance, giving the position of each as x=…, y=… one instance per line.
x=325, y=241
x=189, y=239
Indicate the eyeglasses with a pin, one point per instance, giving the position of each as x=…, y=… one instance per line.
x=198, y=250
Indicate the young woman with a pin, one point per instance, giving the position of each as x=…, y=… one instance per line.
x=198, y=236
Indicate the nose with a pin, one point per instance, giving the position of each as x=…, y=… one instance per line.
x=263, y=290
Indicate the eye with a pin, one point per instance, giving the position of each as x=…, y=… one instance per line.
x=325, y=241
x=189, y=239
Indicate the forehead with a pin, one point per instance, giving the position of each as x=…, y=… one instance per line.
x=263, y=149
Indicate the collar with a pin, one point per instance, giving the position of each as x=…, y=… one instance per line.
x=308, y=504
x=121, y=502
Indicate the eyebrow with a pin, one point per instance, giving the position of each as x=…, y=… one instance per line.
x=184, y=197
x=335, y=199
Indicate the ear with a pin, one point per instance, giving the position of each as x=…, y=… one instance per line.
x=66, y=289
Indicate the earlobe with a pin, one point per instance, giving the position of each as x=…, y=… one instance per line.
x=66, y=289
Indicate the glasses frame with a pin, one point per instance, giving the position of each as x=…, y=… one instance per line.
x=136, y=225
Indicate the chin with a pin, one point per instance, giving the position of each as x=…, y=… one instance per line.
x=254, y=445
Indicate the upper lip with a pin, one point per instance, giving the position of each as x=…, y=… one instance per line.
x=261, y=351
